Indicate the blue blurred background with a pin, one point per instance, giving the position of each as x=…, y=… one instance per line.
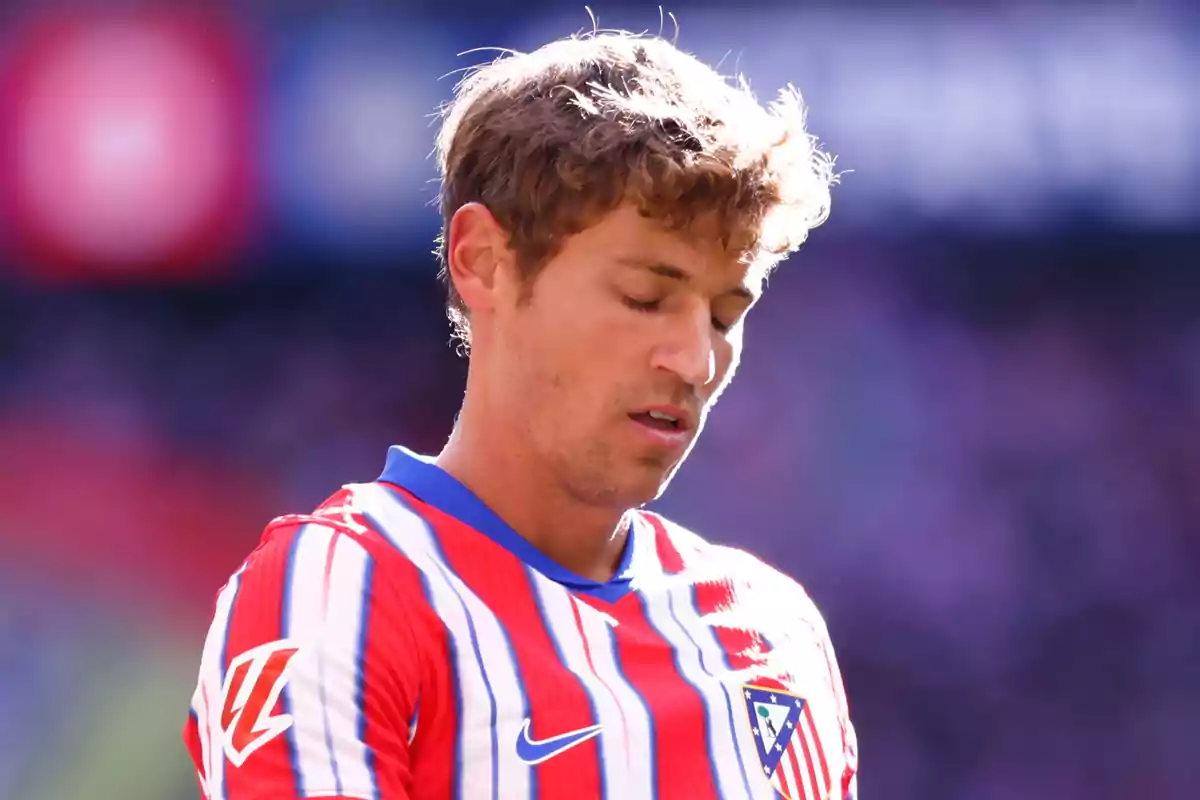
x=968, y=419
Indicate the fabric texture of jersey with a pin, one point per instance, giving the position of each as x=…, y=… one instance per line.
x=403, y=643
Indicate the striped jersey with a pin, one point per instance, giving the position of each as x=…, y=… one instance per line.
x=402, y=642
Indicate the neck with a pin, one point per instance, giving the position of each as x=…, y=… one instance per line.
x=499, y=468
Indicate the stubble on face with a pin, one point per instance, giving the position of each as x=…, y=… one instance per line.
x=577, y=359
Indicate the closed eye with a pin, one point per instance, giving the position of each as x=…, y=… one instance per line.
x=649, y=306
x=642, y=305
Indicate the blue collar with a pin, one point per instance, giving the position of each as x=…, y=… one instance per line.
x=430, y=484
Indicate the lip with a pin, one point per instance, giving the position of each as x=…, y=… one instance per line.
x=674, y=440
x=686, y=420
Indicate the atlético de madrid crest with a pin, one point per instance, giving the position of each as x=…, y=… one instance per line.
x=776, y=719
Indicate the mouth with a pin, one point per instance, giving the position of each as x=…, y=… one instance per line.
x=658, y=423
x=669, y=420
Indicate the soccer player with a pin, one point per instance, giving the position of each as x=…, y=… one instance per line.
x=504, y=620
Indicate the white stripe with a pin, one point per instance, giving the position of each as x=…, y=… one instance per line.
x=197, y=706
x=308, y=626
x=639, y=755
x=513, y=774
x=809, y=731
x=787, y=779
x=455, y=603
x=200, y=707
x=556, y=603
x=343, y=636
x=212, y=679
x=717, y=701
x=810, y=790
x=713, y=661
x=702, y=649
x=792, y=781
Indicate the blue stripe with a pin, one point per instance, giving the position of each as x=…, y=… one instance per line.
x=412, y=721
x=194, y=717
x=337, y=775
x=708, y=729
x=530, y=574
x=442, y=563
x=236, y=582
x=525, y=709
x=360, y=678
x=487, y=684
x=456, y=679
x=616, y=656
x=289, y=585
x=725, y=667
x=219, y=756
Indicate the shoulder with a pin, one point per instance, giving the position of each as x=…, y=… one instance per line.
x=756, y=580
x=359, y=516
x=336, y=549
x=759, y=596
x=331, y=579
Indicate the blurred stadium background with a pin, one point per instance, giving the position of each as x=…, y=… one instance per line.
x=968, y=420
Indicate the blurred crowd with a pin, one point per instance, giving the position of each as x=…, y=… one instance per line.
x=989, y=482
x=967, y=418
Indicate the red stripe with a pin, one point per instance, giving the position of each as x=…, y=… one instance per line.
x=808, y=759
x=397, y=606
x=404, y=662
x=816, y=741
x=191, y=739
x=743, y=648
x=328, y=574
x=797, y=773
x=676, y=708
x=404, y=651
x=558, y=701
x=668, y=554
x=404, y=638
x=587, y=654
x=205, y=765
x=256, y=619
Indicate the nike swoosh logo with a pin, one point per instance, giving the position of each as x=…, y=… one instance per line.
x=532, y=752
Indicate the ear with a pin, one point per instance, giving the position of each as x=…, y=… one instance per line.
x=477, y=249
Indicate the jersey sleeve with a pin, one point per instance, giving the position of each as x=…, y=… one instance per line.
x=307, y=682
x=849, y=777
x=846, y=781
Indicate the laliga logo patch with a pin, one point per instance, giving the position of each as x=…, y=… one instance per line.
x=252, y=687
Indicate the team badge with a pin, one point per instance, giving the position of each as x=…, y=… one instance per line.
x=777, y=722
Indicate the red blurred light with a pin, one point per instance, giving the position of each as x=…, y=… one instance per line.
x=129, y=147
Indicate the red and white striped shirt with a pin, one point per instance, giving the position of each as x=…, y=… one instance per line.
x=403, y=642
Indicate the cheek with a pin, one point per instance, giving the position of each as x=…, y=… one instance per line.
x=578, y=348
x=560, y=360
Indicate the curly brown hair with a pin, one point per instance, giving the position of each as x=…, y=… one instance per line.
x=550, y=141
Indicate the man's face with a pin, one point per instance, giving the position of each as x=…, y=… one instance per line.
x=612, y=363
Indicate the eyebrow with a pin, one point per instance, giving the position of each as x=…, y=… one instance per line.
x=676, y=274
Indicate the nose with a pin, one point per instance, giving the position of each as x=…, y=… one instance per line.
x=688, y=350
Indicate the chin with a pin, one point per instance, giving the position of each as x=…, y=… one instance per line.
x=649, y=481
